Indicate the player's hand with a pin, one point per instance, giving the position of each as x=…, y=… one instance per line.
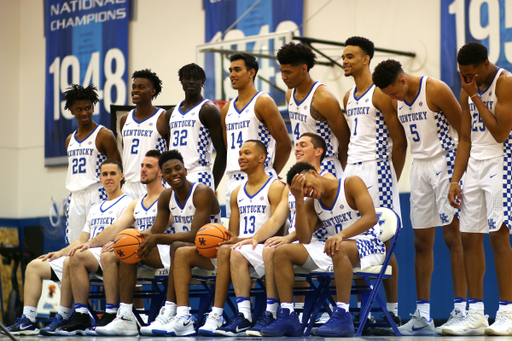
x=470, y=88
x=147, y=245
x=332, y=245
x=252, y=241
x=455, y=195
x=275, y=241
x=232, y=239
x=109, y=247
x=81, y=248
x=49, y=256
x=297, y=187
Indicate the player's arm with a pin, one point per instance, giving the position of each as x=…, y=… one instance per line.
x=267, y=112
x=122, y=121
x=163, y=126
x=396, y=131
x=325, y=104
x=84, y=236
x=210, y=117
x=306, y=219
x=107, y=144
x=234, y=218
x=223, y=114
x=440, y=98
x=168, y=115
x=345, y=101
x=68, y=139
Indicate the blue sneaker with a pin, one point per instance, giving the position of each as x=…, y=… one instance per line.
x=238, y=324
x=286, y=324
x=23, y=326
x=262, y=322
x=340, y=324
x=57, y=321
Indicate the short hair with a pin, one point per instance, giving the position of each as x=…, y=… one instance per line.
x=170, y=155
x=76, y=92
x=298, y=168
x=386, y=73
x=296, y=54
x=153, y=153
x=250, y=61
x=472, y=53
x=192, y=71
x=146, y=73
x=318, y=142
x=366, y=45
x=260, y=145
x=112, y=162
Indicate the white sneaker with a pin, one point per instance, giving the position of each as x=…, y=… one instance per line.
x=165, y=329
x=502, y=325
x=212, y=323
x=474, y=323
x=159, y=321
x=184, y=325
x=417, y=325
x=121, y=326
x=455, y=317
x=323, y=318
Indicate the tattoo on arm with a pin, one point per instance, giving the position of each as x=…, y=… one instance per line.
x=315, y=114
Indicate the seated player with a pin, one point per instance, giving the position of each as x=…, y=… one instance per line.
x=344, y=209
x=55, y=265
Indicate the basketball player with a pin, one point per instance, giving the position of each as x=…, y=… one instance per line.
x=310, y=148
x=430, y=114
x=312, y=107
x=144, y=128
x=86, y=148
x=55, y=265
x=252, y=115
x=194, y=124
x=377, y=145
x=342, y=247
x=484, y=152
x=140, y=213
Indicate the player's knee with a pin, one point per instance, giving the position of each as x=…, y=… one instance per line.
x=176, y=245
x=237, y=259
x=268, y=254
x=108, y=258
x=223, y=252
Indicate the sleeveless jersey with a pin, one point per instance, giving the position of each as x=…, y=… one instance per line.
x=183, y=215
x=190, y=137
x=104, y=214
x=302, y=121
x=483, y=144
x=241, y=126
x=138, y=138
x=144, y=216
x=84, y=161
x=429, y=133
x=369, y=136
x=254, y=210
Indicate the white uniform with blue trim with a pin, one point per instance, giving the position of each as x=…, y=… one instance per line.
x=243, y=125
x=192, y=139
x=487, y=186
x=138, y=139
x=369, y=150
x=302, y=122
x=83, y=181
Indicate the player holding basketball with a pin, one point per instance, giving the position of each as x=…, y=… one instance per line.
x=144, y=128
x=377, y=142
x=140, y=213
x=55, y=265
x=252, y=115
x=484, y=152
x=312, y=107
x=430, y=114
x=194, y=124
x=86, y=148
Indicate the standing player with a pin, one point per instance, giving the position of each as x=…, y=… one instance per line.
x=429, y=112
x=485, y=154
x=312, y=107
x=144, y=128
x=252, y=115
x=86, y=148
x=194, y=125
x=377, y=141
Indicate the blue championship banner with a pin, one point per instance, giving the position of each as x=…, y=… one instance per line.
x=86, y=42
x=486, y=21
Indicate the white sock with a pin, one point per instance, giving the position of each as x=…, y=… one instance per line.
x=244, y=307
x=272, y=306
x=423, y=307
x=217, y=311
x=298, y=305
x=478, y=306
x=288, y=306
x=460, y=306
x=505, y=307
x=64, y=312
x=126, y=309
x=29, y=312
x=170, y=309
x=342, y=305
x=183, y=311
x=392, y=308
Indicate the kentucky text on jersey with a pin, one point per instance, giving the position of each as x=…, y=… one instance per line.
x=78, y=152
x=298, y=116
x=238, y=125
x=145, y=223
x=137, y=132
x=415, y=116
x=184, y=123
x=358, y=111
x=342, y=218
x=488, y=105
x=183, y=219
x=252, y=209
x=102, y=221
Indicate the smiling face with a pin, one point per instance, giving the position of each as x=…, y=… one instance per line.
x=305, y=151
x=174, y=173
x=142, y=90
x=354, y=60
x=149, y=170
x=111, y=177
x=250, y=156
x=239, y=75
x=312, y=186
x=83, y=111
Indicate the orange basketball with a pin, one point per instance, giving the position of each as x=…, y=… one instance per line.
x=209, y=237
x=126, y=245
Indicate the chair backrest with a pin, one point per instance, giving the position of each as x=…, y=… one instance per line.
x=389, y=223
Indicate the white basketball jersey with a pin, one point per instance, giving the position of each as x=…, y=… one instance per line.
x=369, y=136
x=104, y=214
x=138, y=138
x=241, y=126
x=254, y=210
x=84, y=161
x=190, y=137
x=302, y=121
x=340, y=216
x=429, y=132
x=183, y=215
x=144, y=216
x=483, y=144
